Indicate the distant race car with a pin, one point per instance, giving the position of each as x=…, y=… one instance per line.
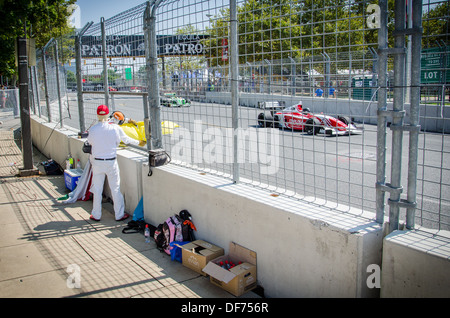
x=296, y=117
x=171, y=100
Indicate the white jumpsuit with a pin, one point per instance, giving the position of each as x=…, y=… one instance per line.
x=105, y=138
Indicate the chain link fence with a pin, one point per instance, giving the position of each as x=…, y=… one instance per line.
x=230, y=77
x=9, y=100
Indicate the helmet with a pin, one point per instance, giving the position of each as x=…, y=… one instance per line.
x=119, y=116
x=306, y=110
x=185, y=215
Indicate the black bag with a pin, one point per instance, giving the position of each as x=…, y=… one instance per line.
x=51, y=167
x=135, y=227
x=87, y=148
x=156, y=158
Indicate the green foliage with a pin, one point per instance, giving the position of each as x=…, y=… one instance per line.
x=436, y=25
x=39, y=19
x=279, y=29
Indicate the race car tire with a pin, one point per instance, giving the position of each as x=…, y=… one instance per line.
x=265, y=120
x=312, y=126
x=345, y=120
x=276, y=122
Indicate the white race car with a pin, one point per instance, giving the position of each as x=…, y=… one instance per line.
x=298, y=118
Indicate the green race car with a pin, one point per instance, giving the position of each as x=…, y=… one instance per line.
x=171, y=100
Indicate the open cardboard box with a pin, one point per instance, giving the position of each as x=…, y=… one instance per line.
x=197, y=254
x=239, y=279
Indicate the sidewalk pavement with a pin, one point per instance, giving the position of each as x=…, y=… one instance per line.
x=47, y=248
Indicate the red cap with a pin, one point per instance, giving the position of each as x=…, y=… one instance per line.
x=102, y=110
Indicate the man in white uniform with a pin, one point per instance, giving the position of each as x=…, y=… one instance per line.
x=104, y=138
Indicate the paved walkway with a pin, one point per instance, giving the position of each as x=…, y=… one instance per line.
x=47, y=248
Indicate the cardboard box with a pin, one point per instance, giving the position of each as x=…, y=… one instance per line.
x=239, y=279
x=197, y=254
x=71, y=177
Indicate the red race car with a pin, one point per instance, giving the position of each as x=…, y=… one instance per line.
x=298, y=118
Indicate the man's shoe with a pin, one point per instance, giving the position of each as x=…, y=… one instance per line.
x=124, y=217
x=94, y=219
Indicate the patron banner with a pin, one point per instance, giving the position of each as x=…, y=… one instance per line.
x=133, y=45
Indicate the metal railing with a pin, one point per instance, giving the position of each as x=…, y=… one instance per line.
x=219, y=61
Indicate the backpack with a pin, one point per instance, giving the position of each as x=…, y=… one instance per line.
x=174, y=229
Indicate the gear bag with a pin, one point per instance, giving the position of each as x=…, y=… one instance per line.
x=156, y=158
x=174, y=229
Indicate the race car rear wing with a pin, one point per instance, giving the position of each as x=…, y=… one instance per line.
x=272, y=105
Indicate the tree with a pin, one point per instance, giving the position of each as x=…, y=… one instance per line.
x=278, y=29
x=436, y=25
x=39, y=19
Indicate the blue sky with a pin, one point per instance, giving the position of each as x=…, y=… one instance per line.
x=93, y=10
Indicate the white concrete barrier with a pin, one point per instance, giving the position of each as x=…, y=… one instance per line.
x=416, y=264
x=303, y=250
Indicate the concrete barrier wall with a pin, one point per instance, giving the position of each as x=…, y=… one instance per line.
x=415, y=265
x=303, y=249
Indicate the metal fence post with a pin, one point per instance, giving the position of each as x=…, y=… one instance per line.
x=36, y=82
x=147, y=130
x=152, y=73
x=416, y=47
x=22, y=58
x=382, y=106
x=269, y=77
x=79, y=77
x=374, y=72
x=105, y=63
x=58, y=88
x=327, y=74
x=293, y=75
x=44, y=64
x=234, y=66
x=31, y=94
x=397, y=114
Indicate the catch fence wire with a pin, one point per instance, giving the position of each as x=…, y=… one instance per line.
x=279, y=60
x=125, y=65
x=286, y=50
x=53, y=98
x=189, y=71
x=433, y=176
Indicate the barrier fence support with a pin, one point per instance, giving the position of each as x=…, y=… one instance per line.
x=152, y=74
x=382, y=107
x=79, y=76
x=44, y=64
x=105, y=66
x=58, y=85
x=414, y=127
x=234, y=86
x=36, y=88
x=398, y=114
